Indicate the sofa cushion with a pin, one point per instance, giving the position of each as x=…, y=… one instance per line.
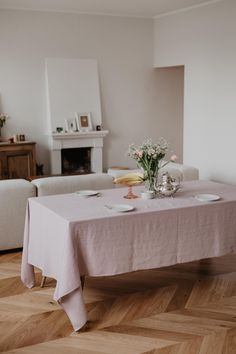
x=187, y=173
x=70, y=184
x=13, y=196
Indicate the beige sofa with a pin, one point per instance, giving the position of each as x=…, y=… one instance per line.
x=15, y=193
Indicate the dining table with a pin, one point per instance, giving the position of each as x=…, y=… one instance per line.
x=100, y=233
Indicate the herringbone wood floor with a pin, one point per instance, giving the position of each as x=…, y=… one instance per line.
x=184, y=309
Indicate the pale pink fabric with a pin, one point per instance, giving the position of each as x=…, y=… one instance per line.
x=68, y=236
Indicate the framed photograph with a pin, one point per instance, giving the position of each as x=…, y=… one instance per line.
x=71, y=125
x=84, y=121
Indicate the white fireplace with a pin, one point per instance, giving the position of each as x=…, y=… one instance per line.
x=73, y=89
x=91, y=139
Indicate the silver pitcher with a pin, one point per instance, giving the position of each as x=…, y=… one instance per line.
x=167, y=186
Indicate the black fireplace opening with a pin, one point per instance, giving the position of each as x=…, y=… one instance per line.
x=76, y=160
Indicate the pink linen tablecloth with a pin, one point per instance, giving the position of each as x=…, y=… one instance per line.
x=68, y=236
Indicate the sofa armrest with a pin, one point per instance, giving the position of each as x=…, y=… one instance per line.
x=14, y=194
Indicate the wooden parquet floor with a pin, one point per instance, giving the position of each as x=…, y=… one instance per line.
x=183, y=309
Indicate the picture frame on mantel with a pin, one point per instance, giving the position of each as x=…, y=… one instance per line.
x=71, y=125
x=84, y=121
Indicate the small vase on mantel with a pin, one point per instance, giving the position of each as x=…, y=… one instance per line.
x=1, y=125
x=3, y=118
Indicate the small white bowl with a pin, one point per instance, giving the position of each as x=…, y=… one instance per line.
x=148, y=195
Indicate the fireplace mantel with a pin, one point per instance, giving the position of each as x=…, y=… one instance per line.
x=80, y=135
x=93, y=139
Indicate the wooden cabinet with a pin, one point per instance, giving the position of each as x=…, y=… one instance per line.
x=17, y=160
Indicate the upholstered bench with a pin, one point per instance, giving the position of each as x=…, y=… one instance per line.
x=70, y=184
x=176, y=170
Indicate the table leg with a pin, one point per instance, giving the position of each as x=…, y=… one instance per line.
x=82, y=279
x=43, y=282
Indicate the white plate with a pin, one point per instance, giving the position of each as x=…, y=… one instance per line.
x=121, y=208
x=207, y=197
x=87, y=193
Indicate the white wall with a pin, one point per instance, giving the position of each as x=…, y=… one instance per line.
x=73, y=88
x=137, y=100
x=203, y=39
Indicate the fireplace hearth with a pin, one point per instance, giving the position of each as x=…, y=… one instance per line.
x=76, y=160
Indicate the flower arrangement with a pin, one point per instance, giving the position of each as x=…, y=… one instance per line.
x=3, y=118
x=149, y=156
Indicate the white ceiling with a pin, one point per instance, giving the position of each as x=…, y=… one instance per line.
x=133, y=8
